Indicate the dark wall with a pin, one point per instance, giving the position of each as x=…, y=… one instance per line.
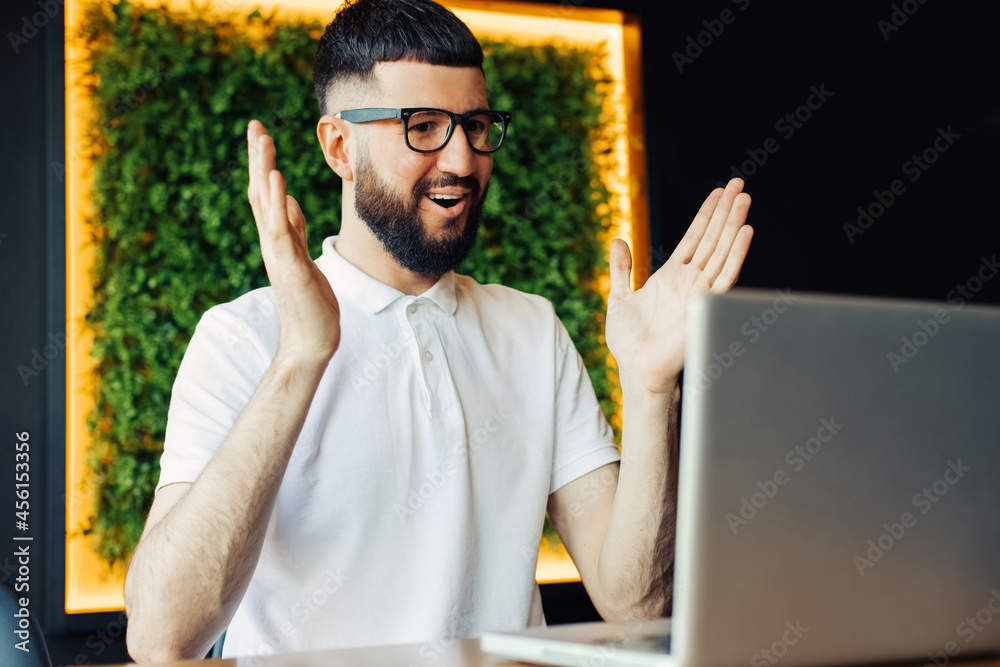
x=893, y=87
x=32, y=354
x=889, y=97
x=33, y=296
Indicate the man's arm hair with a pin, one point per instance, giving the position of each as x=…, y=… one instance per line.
x=202, y=542
x=660, y=595
x=621, y=538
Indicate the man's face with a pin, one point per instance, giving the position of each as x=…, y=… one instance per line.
x=393, y=185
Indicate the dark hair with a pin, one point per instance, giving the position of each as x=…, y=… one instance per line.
x=365, y=32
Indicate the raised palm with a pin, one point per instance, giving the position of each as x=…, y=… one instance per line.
x=646, y=328
x=308, y=311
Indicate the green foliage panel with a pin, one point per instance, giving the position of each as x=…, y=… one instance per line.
x=173, y=95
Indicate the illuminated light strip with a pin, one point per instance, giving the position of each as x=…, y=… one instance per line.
x=89, y=586
x=86, y=589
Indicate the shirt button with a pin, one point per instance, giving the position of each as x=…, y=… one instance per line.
x=412, y=308
x=428, y=356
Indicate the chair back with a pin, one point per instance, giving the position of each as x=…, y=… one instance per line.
x=217, y=647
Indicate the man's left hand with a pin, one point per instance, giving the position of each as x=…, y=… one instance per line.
x=646, y=328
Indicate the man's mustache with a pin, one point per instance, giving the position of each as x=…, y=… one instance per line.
x=451, y=181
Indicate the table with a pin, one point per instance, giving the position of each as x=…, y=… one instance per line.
x=458, y=653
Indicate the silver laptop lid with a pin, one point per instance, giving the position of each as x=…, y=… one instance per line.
x=839, y=481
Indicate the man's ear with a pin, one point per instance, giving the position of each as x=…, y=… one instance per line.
x=333, y=134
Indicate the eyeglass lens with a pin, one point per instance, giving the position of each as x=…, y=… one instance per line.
x=428, y=130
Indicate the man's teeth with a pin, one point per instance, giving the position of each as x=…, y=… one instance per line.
x=445, y=201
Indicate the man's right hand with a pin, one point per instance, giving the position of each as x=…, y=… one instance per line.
x=203, y=538
x=307, y=307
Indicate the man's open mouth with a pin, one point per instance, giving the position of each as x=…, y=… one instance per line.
x=445, y=201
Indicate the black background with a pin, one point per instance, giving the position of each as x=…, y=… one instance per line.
x=889, y=97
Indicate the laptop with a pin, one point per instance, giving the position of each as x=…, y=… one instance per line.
x=839, y=491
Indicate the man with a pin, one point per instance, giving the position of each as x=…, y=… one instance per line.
x=307, y=502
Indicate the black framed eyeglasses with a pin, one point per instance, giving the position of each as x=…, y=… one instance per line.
x=428, y=130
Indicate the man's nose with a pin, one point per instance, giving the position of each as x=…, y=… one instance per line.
x=457, y=157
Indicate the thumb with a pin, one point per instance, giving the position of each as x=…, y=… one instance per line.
x=295, y=216
x=620, y=261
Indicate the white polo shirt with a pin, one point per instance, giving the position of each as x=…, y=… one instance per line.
x=413, y=503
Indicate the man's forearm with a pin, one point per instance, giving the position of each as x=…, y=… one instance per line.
x=636, y=562
x=189, y=573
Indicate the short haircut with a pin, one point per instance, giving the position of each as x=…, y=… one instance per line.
x=366, y=32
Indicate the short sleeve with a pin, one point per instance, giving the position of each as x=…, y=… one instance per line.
x=221, y=369
x=583, y=439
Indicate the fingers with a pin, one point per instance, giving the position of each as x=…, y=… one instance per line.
x=297, y=219
x=692, y=237
x=620, y=261
x=718, y=224
x=734, y=260
x=733, y=224
x=260, y=154
x=279, y=230
x=253, y=189
x=289, y=264
x=264, y=167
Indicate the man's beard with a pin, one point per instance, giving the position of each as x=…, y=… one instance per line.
x=395, y=221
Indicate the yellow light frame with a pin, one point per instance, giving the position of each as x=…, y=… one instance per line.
x=90, y=587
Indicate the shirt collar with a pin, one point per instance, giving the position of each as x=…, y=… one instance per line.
x=348, y=280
